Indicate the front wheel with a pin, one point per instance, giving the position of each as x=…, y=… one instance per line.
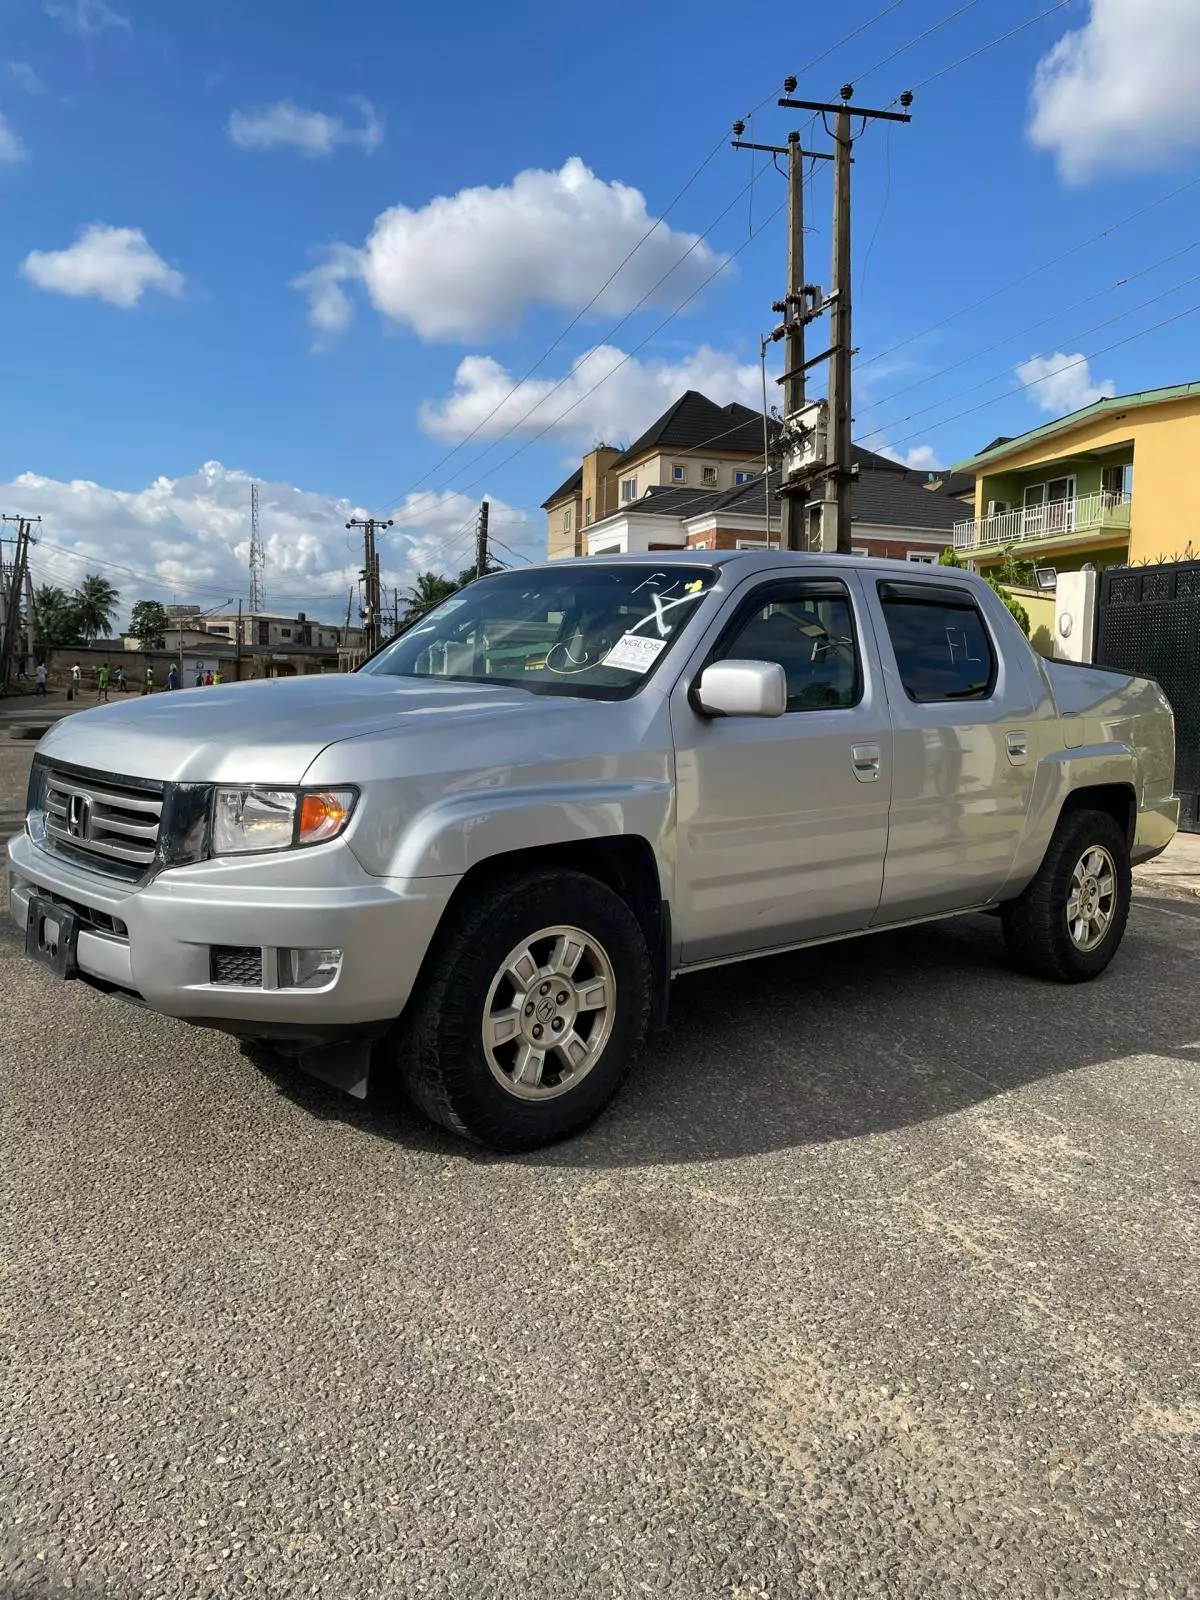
x=531, y=1013
x=1069, y=922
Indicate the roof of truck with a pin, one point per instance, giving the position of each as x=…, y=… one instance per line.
x=768, y=560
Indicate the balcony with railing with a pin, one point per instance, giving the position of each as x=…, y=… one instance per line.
x=1080, y=517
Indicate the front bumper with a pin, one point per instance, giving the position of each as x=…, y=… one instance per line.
x=166, y=930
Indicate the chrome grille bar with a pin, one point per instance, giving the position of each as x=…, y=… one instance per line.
x=102, y=819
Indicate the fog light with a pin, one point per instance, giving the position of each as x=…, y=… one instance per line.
x=308, y=969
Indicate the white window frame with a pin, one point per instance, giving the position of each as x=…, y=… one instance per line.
x=708, y=475
x=750, y=544
x=859, y=550
x=628, y=490
x=567, y=520
x=587, y=512
x=743, y=477
x=678, y=472
x=926, y=558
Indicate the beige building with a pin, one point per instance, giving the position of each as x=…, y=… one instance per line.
x=694, y=444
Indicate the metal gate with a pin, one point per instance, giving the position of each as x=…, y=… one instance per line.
x=1148, y=621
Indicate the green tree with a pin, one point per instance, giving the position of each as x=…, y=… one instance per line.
x=96, y=604
x=468, y=574
x=994, y=580
x=148, y=622
x=430, y=589
x=57, y=618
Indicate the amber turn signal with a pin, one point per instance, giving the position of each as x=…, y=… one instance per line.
x=324, y=815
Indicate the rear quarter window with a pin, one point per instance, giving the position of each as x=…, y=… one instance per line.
x=942, y=647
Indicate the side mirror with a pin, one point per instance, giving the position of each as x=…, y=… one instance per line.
x=743, y=689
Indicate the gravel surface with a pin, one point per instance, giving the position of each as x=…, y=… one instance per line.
x=879, y=1280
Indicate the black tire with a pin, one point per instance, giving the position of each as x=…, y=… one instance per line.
x=442, y=1062
x=1036, y=926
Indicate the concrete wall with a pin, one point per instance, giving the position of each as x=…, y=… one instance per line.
x=600, y=486
x=559, y=541
x=656, y=468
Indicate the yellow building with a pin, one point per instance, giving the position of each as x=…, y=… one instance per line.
x=1111, y=484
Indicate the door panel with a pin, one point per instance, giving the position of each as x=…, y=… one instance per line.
x=782, y=822
x=961, y=781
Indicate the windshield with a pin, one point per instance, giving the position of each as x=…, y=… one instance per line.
x=582, y=629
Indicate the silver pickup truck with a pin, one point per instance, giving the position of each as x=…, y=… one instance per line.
x=479, y=861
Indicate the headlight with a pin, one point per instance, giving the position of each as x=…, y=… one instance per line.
x=276, y=819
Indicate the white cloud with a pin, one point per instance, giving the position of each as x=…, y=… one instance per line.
x=190, y=537
x=470, y=264
x=23, y=75
x=86, y=17
x=11, y=148
x=313, y=133
x=113, y=264
x=1062, y=383
x=1121, y=93
x=330, y=309
x=624, y=404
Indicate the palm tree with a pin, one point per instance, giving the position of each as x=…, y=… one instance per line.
x=430, y=589
x=96, y=604
x=56, y=616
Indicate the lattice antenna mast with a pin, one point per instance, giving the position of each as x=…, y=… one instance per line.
x=258, y=558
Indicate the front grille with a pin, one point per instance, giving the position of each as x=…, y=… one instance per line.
x=109, y=823
x=239, y=965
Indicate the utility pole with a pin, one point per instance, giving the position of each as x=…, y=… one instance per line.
x=838, y=470
x=16, y=587
x=30, y=614
x=794, y=308
x=237, y=648
x=481, y=541
x=372, y=597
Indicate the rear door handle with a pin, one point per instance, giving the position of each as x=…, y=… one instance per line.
x=866, y=762
x=1018, y=748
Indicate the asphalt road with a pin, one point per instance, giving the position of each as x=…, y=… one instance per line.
x=881, y=1279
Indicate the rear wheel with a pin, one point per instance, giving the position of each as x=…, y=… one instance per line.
x=531, y=1013
x=1069, y=922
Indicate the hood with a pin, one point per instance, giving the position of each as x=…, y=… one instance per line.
x=269, y=731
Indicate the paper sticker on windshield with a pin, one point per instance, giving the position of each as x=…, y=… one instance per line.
x=634, y=652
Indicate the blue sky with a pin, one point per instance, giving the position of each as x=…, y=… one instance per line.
x=453, y=185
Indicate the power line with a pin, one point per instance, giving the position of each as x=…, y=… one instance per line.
x=990, y=45
x=854, y=33
x=605, y=337
x=1033, y=272
x=996, y=377
x=1030, y=327
x=1079, y=361
x=917, y=39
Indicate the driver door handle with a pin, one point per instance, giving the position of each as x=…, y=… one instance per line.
x=865, y=759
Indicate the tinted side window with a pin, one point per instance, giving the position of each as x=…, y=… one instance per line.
x=942, y=650
x=811, y=636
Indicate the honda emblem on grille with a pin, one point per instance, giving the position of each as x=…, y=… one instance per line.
x=79, y=815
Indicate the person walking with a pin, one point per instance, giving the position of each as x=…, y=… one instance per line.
x=199, y=677
x=76, y=682
x=41, y=675
x=172, y=678
x=208, y=679
x=23, y=666
x=148, y=686
x=102, y=683
x=121, y=684
x=217, y=677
